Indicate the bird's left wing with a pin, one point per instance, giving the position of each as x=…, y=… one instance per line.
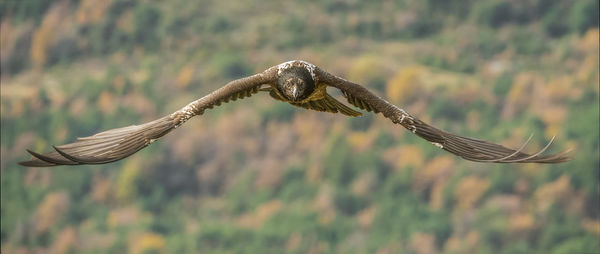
x=468, y=148
x=116, y=144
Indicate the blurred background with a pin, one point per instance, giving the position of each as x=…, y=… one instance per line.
x=261, y=176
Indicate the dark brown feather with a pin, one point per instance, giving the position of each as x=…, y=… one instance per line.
x=116, y=144
x=328, y=104
x=104, y=147
x=465, y=147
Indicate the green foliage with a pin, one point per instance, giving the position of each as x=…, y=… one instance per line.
x=335, y=184
x=147, y=21
x=231, y=65
x=559, y=228
x=528, y=43
x=583, y=16
x=554, y=22
x=361, y=123
x=278, y=112
x=489, y=43
x=587, y=167
x=520, y=247
x=338, y=167
x=17, y=60
x=294, y=188
x=492, y=225
x=23, y=11
x=586, y=244
x=493, y=13
x=347, y=203
x=447, y=109
x=503, y=84
x=464, y=63
x=219, y=236
x=390, y=223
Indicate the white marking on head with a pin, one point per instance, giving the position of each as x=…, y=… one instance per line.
x=299, y=63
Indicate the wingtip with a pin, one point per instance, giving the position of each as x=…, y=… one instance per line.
x=38, y=160
x=66, y=155
x=28, y=163
x=36, y=163
x=40, y=156
x=563, y=156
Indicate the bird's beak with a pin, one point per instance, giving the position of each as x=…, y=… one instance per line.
x=295, y=92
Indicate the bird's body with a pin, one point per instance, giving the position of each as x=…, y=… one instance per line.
x=296, y=82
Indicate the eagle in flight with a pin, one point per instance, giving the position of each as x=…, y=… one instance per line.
x=296, y=82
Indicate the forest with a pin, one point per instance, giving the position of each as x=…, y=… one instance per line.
x=261, y=176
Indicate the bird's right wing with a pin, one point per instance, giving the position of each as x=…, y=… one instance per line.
x=116, y=144
x=468, y=148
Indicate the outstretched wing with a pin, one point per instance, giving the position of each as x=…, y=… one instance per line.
x=468, y=148
x=116, y=144
x=104, y=147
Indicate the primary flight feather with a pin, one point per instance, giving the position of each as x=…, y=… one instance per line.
x=299, y=83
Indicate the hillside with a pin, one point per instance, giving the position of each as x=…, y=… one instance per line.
x=261, y=176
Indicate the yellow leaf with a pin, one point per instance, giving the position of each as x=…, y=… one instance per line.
x=591, y=225
x=366, y=216
x=147, y=242
x=552, y=192
x=106, y=103
x=126, y=184
x=91, y=11
x=521, y=222
x=469, y=190
x=65, y=241
x=361, y=141
x=123, y=216
x=50, y=210
x=423, y=243
x=261, y=214
x=185, y=76
x=405, y=85
x=436, y=200
x=404, y=156
x=366, y=70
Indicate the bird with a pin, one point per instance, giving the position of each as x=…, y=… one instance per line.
x=300, y=84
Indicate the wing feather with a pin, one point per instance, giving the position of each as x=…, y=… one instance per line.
x=465, y=147
x=328, y=104
x=116, y=144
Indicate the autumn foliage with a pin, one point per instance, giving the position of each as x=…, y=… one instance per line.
x=260, y=176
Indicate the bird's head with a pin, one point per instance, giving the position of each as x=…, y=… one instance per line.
x=295, y=83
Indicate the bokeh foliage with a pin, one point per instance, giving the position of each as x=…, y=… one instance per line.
x=260, y=176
